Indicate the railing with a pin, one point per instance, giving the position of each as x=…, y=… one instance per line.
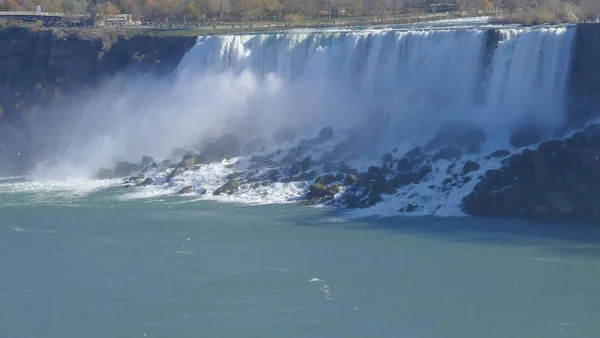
x=42, y=14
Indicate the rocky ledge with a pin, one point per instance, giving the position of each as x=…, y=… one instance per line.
x=560, y=179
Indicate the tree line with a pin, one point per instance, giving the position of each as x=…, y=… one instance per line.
x=194, y=11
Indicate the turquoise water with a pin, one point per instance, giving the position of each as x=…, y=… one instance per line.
x=94, y=265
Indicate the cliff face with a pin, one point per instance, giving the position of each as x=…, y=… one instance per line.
x=39, y=67
x=584, y=84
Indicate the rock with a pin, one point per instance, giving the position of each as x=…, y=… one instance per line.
x=500, y=153
x=374, y=170
x=457, y=135
x=174, y=173
x=550, y=146
x=447, y=181
x=334, y=188
x=308, y=176
x=423, y=171
x=402, y=179
x=148, y=181
x=225, y=147
x=470, y=166
x=387, y=158
x=525, y=136
x=450, y=168
x=140, y=176
x=329, y=167
x=146, y=160
x=185, y=190
x=257, y=159
x=408, y=208
x=294, y=170
x=306, y=163
x=235, y=175
x=350, y=179
x=447, y=153
x=327, y=179
x=123, y=169
x=188, y=161
x=561, y=202
x=272, y=175
x=228, y=188
x=318, y=190
x=382, y=186
x=346, y=169
x=405, y=165
x=414, y=153
x=326, y=134
x=105, y=174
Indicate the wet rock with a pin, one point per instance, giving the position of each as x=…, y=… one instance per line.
x=105, y=174
x=382, y=186
x=457, y=135
x=423, y=171
x=326, y=134
x=346, y=169
x=225, y=147
x=447, y=181
x=387, y=158
x=123, y=169
x=405, y=165
x=327, y=179
x=185, y=190
x=451, y=168
x=408, y=208
x=402, y=179
x=174, y=173
x=470, y=166
x=235, y=175
x=350, y=179
x=308, y=176
x=374, y=170
x=228, y=188
x=525, y=136
x=148, y=181
x=294, y=170
x=272, y=175
x=447, y=153
x=500, y=153
x=414, y=153
x=317, y=190
x=306, y=163
x=329, y=167
x=146, y=160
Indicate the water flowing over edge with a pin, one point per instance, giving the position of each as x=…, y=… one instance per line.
x=384, y=89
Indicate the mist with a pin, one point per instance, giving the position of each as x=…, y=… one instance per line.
x=392, y=88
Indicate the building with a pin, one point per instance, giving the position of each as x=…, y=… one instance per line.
x=119, y=20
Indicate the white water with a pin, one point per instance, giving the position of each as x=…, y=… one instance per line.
x=395, y=87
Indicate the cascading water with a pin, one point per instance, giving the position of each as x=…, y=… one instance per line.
x=393, y=88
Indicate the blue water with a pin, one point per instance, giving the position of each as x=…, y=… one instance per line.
x=97, y=266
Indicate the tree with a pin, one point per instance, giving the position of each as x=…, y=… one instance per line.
x=111, y=9
x=11, y=6
x=485, y=5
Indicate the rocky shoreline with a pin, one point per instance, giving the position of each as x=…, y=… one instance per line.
x=558, y=180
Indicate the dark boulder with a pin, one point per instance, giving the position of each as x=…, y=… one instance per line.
x=234, y=175
x=146, y=160
x=105, y=174
x=185, y=190
x=457, y=135
x=408, y=208
x=148, y=181
x=317, y=190
x=350, y=179
x=306, y=163
x=329, y=167
x=500, y=153
x=470, y=166
x=405, y=165
x=228, y=188
x=387, y=158
x=525, y=136
x=447, y=153
x=294, y=170
x=188, y=160
x=225, y=147
x=374, y=170
x=414, y=153
x=123, y=169
x=174, y=173
x=326, y=134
